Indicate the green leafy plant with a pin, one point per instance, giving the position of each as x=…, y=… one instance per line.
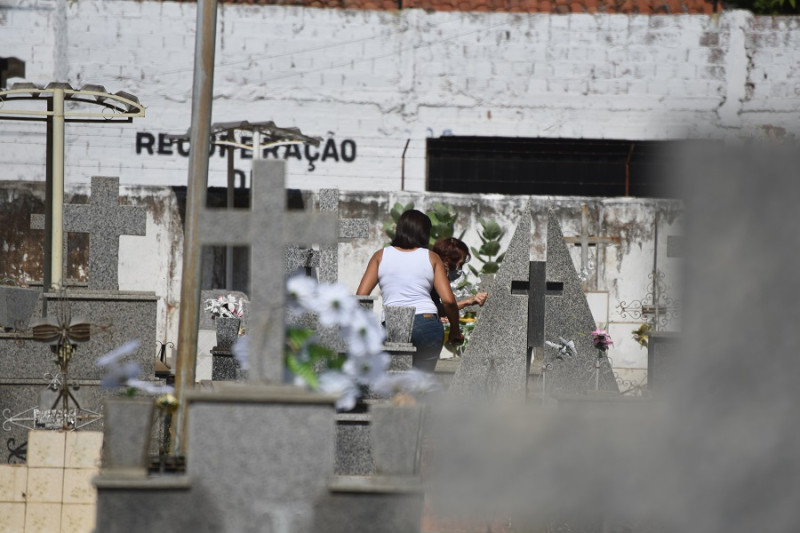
x=443, y=219
x=489, y=252
x=305, y=358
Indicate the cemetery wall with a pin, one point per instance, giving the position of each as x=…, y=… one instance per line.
x=618, y=273
x=367, y=82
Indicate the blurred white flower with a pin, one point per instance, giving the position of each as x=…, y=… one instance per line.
x=335, y=304
x=121, y=374
x=363, y=334
x=301, y=294
x=113, y=357
x=341, y=385
x=366, y=369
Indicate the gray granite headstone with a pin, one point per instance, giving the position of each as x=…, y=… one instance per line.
x=494, y=362
x=399, y=323
x=105, y=221
x=325, y=261
x=567, y=315
x=266, y=228
x=349, y=228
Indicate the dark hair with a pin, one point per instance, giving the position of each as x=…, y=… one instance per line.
x=451, y=250
x=413, y=230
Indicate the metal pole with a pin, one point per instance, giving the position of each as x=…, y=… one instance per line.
x=403, y=167
x=229, y=205
x=57, y=192
x=202, y=92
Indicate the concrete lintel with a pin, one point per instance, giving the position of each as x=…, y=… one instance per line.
x=255, y=393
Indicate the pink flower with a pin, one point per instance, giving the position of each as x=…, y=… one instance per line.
x=601, y=339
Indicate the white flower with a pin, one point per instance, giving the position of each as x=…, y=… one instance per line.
x=363, y=334
x=338, y=384
x=225, y=306
x=150, y=387
x=366, y=369
x=335, y=304
x=301, y=294
x=120, y=375
x=113, y=357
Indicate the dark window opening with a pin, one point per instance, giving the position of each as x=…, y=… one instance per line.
x=10, y=67
x=559, y=167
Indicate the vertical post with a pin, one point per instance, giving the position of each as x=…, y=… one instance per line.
x=202, y=92
x=56, y=211
x=229, y=205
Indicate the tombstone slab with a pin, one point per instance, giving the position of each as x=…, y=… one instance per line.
x=494, y=362
x=567, y=315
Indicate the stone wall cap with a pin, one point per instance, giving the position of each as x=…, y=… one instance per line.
x=376, y=484
x=399, y=347
x=108, y=480
x=90, y=294
x=256, y=393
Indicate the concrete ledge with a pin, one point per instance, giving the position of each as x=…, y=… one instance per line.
x=226, y=392
x=111, y=481
x=96, y=294
x=353, y=417
x=399, y=347
x=376, y=484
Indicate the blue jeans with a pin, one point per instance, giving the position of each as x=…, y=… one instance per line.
x=427, y=336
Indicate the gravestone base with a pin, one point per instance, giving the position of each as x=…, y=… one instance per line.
x=353, y=445
x=378, y=504
x=402, y=354
x=224, y=367
x=27, y=366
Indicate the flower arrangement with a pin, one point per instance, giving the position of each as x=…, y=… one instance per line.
x=225, y=306
x=365, y=364
x=602, y=341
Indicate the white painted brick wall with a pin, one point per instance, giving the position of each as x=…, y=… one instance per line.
x=380, y=78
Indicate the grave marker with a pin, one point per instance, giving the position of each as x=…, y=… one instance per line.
x=266, y=228
x=105, y=220
x=326, y=259
x=567, y=315
x=494, y=362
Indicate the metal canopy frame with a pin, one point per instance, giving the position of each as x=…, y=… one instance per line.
x=118, y=107
x=265, y=134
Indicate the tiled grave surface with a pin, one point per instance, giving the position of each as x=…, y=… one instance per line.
x=53, y=491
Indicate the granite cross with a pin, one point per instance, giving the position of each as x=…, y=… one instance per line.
x=327, y=258
x=536, y=287
x=266, y=228
x=105, y=220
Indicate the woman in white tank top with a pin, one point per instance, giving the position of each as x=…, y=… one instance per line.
x=407, y=272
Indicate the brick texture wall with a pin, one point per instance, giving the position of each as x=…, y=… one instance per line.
x=374, y=80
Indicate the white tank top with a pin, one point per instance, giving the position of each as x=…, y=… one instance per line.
x=406, y=279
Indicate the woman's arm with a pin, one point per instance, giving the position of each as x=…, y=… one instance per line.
x=370, y=277
x=442, y=286
x=478, y=299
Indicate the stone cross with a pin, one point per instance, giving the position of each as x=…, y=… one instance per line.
x=585, y=241
x=266, y=228
x=327, y=258
x=105, y=220
x=536, y=287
